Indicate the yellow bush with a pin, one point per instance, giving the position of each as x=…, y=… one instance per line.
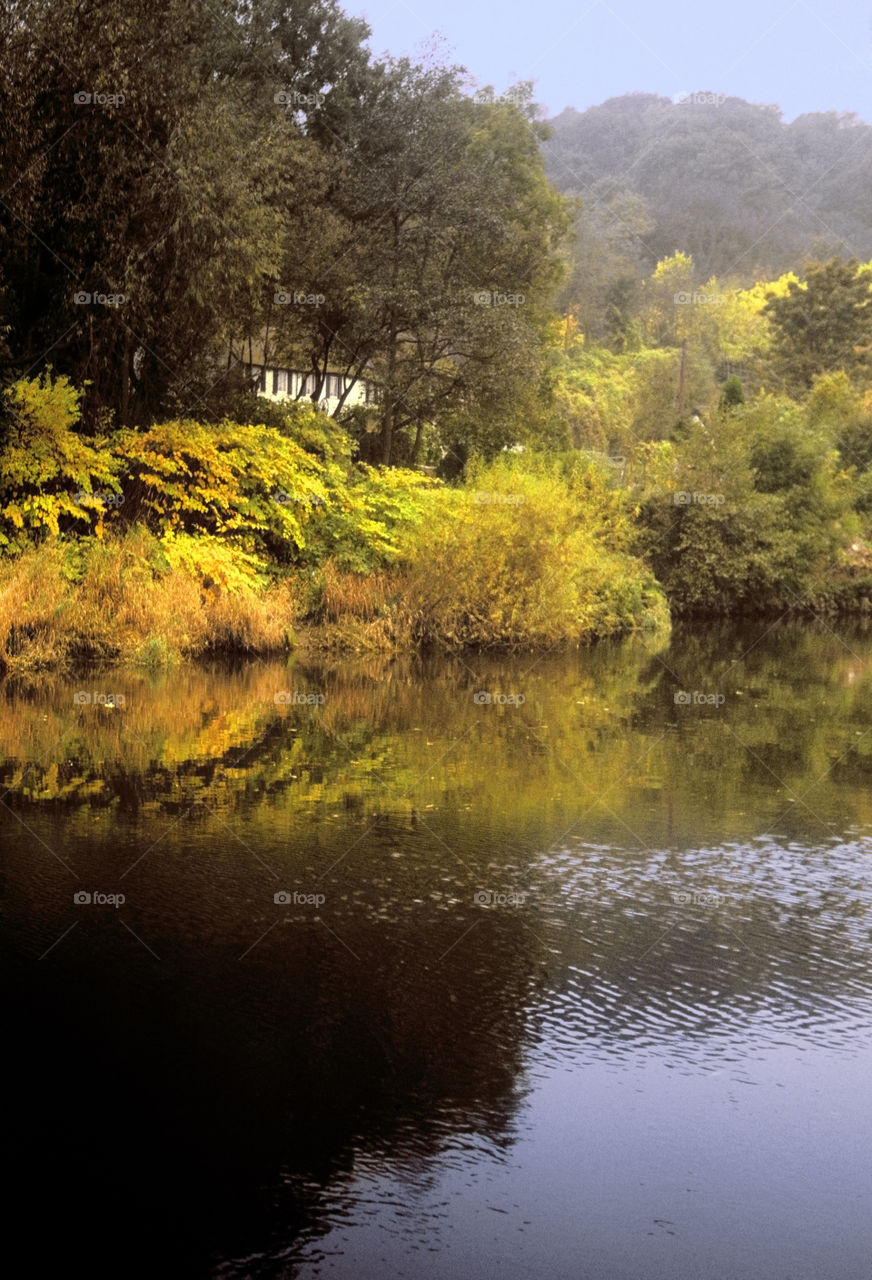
x=529, y=553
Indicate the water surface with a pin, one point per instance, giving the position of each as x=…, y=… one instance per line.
x=570, y=980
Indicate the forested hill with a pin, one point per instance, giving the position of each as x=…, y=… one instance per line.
x=716, y=177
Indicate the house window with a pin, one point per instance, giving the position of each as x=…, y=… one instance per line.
x=283, y=382
x=275, y=382
x=334, y=385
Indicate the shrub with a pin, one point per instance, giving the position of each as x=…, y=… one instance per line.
x=530, y=551
x=245, y=483
x=369, y=522
x=50, y=478
x=754, y=513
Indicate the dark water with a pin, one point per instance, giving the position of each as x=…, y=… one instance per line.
x=574, y=986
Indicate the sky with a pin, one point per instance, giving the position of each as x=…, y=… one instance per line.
x=804, y=55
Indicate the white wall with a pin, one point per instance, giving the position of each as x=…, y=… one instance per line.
x=289, y=384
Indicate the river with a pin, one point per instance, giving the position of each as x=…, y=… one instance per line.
x=544, y=966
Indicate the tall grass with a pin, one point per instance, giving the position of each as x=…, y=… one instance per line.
x=121, y=600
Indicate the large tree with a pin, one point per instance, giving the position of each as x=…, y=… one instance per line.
x=824, y=325
x=442, y=253
x=147, y=154
x=173, y=171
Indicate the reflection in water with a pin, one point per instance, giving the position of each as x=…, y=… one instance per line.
x=587, y=958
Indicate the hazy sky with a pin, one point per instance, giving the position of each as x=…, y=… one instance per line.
x=806, y=55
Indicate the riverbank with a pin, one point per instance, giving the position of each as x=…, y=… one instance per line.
x=133, y=599
x=186, y=542
x=192, y=540
x=65, y=604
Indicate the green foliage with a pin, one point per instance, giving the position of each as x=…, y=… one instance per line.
x=298, y=420
x=824, y=326
x=844, y=413
x=733, y=393
x=754, y=515
x=205, y=171
x=611, y=401
x=218, y=565
x=370, y=521
x=594, y=396
x=454, y=338
x=531, y=551
x=203, y=522
x=607, y=262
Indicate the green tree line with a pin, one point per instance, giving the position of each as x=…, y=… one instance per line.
x=196, y=164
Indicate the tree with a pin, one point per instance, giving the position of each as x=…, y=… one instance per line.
x=669, y=307
x=607, y=260
x=733, y=393
x=824, y=326
x=444, y=250
x=152, y=157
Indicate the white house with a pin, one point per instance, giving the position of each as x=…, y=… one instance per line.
x=277, y=383
x=291, y=384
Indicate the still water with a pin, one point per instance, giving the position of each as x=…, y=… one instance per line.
x=533, y=967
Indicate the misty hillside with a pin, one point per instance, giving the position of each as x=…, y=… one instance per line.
x=720, y=178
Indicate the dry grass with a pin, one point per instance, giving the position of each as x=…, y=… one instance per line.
x=353, y=595
x=352, y=635
x=356, y=613
x=119, y=604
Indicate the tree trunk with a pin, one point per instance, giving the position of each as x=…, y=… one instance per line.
x=416, y=447
x=387, y=433
x=125, y=381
